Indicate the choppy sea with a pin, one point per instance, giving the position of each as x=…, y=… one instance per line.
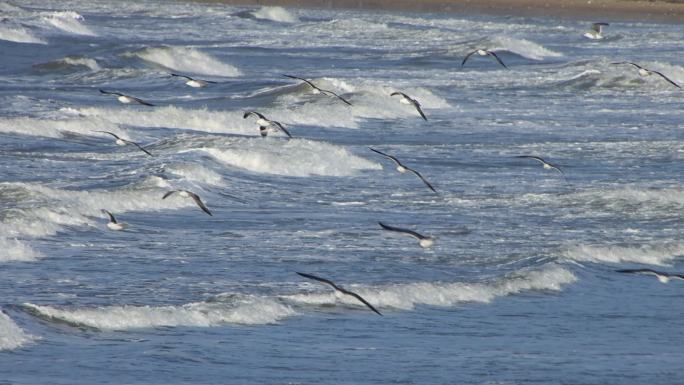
x=520, y=286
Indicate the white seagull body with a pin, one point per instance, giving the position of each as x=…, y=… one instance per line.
x=596, y=31
x=339, y=289
x=264, y=123
x=402, y=169
x=483, y=52
x=126, y=99
x=646, y=72
x=405, y=99
x=113, y=224
x=662, y=277
x=545, y=164
x=194, y=83
x=424, y=241
x=123, y=142
x=189, y=194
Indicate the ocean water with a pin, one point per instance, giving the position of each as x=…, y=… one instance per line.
x=520, y=286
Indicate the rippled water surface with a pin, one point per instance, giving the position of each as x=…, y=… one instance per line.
x=520, y=286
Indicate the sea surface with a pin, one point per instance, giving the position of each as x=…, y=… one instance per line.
x=520, y=286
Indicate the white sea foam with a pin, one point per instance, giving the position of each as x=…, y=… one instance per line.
x=19, y=35
x=246, y=310
x=278, y=14
x=68, y=21
x=11, y=335
x=407, y=296
x=522, y=47
x=196, y=173
x=57, y=128
x=657, y=254
x=14, y=250
x=52, y=209
x=185, y=59
x=292, y=158
x=82, y=61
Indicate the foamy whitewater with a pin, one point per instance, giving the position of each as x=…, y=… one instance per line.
x=520, y=286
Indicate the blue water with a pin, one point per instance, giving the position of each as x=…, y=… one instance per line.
x=519, y=288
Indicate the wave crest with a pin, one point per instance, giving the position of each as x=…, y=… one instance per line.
x=11, y=335
x=185, y=59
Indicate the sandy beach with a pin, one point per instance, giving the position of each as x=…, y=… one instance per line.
x=661, y=11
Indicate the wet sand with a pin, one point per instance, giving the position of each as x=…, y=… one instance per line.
x=594, y=10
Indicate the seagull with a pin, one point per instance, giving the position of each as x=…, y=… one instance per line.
x=123, y=142
x=316, y=90
x=595, y=31
x=483, y=52
x=195, y=83
x=113, y=224
x=405, y=99
x=264, y=123
x=646, y=72
x=662, y=277
x=185, y=194
x=546, y=164
x=424, y=241
x=402, y=169
x=126, y=99
x=341, y=290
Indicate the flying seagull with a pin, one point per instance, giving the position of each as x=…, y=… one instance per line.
x=340, y=289
x=264, y=123
x=316, y=90
x=646, y=72
x=126, y=99
x=405, y=99
x=402, y=169
x=662, y=277
x=425, y=241
x=483, y=52
x=195, y=83
x=595, y=31
x=185, y=194
x=544, y=163
x=123, y=142
x=113, y=224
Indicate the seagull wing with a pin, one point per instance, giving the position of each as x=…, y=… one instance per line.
x=335, y=95
x=400, y=230
x=140, y=101
x=137, y=145
x=495, y=56
x=319, y=279
x=249, y=113
x=420, y=111
x=395, y=160
x=400, y=93
x=111, y=216
x=183, y=76
x=302, y=79
x=282, y=128
x=666, y=78
x=465, y=59
x=168, y=194
x=110, y=133
x=630, y=63
x=360, y=299
x=111, y=93
x=423, y=179
x=598, y=26
x=639, y=271
x=199, y=202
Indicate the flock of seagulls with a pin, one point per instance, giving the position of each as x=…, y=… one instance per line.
x=425, y=241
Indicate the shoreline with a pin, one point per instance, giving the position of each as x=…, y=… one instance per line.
x=590, y=10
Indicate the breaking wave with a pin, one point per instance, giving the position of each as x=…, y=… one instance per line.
x=644, y=254
x=278, y=14
x=522, y=47
x=19, y=35
x=243, y=310
x=68, y=21
x=11, y=335
x=185, y=59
